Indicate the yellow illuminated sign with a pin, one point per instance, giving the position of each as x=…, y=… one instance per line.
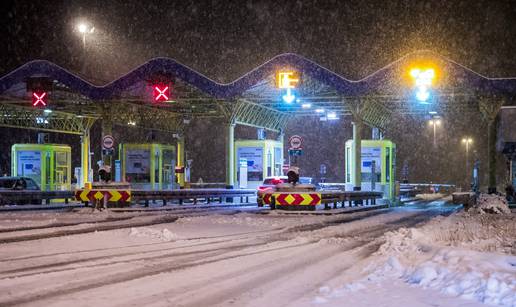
x=287, y=79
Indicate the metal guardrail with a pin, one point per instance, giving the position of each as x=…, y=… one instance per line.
x=412, y=189
x=357, y=197
x=23, y=196
x=332, y=197
x=191, y=194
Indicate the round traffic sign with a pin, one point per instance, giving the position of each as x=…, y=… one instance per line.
x=296, y=142
x=108, y=142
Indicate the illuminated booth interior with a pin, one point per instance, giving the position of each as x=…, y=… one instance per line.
x=381, y=153
x=48, y=165
x=262, y=158
x=148, y=166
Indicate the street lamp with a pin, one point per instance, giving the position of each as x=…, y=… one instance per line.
x=434, y=122
x=467, y=141
x=85, y=29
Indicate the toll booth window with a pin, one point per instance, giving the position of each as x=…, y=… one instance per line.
x=278, y=162
x=137, y=168
x=269, y=163
x=348, y=165
x=254, y=157
x=29, y=164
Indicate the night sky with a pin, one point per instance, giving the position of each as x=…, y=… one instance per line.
x=225, y=39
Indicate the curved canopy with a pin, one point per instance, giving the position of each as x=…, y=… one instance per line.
x=374, y=83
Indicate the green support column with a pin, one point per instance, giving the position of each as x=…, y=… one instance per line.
x=230, y=154
x=85, y=158
x=181, y=159
x=491, y=155
x=357, y=154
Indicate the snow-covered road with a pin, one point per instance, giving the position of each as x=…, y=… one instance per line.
x=210, y=257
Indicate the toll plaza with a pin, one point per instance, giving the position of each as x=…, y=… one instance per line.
x=165, y=96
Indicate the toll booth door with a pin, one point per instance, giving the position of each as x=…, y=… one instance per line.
x=61, y=171
x=168, y=175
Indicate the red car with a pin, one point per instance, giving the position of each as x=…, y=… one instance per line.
x=269, y=185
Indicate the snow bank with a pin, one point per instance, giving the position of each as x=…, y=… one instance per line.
x=465, y=255
x=485, y=277
x=491, y=203
x=145, y=232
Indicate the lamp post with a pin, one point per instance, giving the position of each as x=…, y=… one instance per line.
x=467, y=141
x=434, y=123
x=84, y=29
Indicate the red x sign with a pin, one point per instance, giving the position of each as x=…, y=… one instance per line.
x=39, y=99
x=161, y=92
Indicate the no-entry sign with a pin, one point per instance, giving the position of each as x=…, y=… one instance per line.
x=296, y=142
x=108, y=142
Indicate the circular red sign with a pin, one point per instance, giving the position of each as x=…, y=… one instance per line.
x=108, y=142
x=295, y=141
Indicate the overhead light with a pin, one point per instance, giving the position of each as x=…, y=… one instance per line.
x=432, y=112
x=332, y=116
x=319, y=110
x=306, y=105
x=47, y=111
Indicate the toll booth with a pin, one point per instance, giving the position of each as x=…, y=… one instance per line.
x=149, y=166
x=380, y=154
x=263, y=158
x=47, y=164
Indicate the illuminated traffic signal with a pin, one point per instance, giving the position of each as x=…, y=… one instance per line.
x=287, y=80
x=39, y=99
x=423, y=79
x=161, y=92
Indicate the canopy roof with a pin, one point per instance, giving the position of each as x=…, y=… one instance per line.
x=194, y=94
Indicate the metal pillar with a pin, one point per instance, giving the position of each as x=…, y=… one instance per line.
x=85, y=158
x=489, y=107
x=181, y=159
x=491, y=155
x=357, y=154
x=230, y=154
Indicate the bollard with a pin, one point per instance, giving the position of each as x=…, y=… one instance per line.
x=273, y=203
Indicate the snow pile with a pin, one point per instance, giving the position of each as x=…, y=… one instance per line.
x=145, y=232
x=491, y=203
x=464, y=255
x=485, y=277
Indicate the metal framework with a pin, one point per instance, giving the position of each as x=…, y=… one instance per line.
x=141, y=116
x=253, y=114
x=37, y=119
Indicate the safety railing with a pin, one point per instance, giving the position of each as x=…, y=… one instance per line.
x=194, y=195
x=23, y=197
